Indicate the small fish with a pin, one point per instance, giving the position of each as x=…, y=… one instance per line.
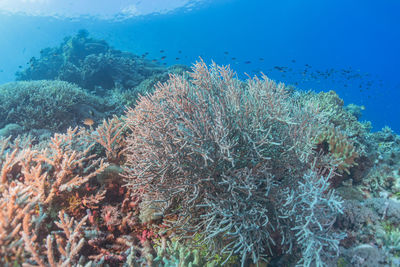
x=261, y=59
x=163, y=57
x=154, y=60
x=293, y=61
x=226, y=52
x=177, y=58
x=179, y=52
x=233, y=58
x=20, y=67
x=161, y=51
x=88, y=122
x=247, y=62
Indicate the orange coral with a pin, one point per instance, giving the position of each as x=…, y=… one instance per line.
x=340, y=147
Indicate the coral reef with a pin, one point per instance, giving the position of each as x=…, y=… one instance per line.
x=203, y=169
x=49, y=105
x=344, y=131
x=342, y=149
x=332, y=141
x=236, y=162
x=94, y=65
x=101, y=81
x=384, y=177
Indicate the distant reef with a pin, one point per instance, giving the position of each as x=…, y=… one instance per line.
x=94, y=65
x=81, y=78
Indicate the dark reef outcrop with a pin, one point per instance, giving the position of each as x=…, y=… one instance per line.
x=93, y=65
x=107, y=80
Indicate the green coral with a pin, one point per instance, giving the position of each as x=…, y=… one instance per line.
x=174, y=254
x=217, y=257
x=342, y=262
x=388, y=236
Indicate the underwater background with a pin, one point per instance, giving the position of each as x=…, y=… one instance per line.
x=351, y=47
x=199, y=133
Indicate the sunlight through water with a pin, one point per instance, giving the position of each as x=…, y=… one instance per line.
x=99, y=9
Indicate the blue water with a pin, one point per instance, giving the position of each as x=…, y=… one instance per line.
x=351, y=47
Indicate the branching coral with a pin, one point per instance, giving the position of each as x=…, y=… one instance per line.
x=61, y=169
x=229, y=165
x=16, y=202
x=69, y=242
x=35, y=184
x=314, y=208
x=109, y=135
x=173, y=253
x=218, y=157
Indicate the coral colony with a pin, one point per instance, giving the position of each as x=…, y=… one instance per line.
x=199, y=169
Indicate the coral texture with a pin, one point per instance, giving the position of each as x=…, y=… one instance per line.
x=51, y=105
x=231, y=160
x=208, y=170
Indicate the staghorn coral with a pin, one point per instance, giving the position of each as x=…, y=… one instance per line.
x=109, y=135
x=16, y=203
x=63, y=177
x=61, y=169
x=224, y=158
x=34, y=186
x=314, y=208
x=69, y=242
